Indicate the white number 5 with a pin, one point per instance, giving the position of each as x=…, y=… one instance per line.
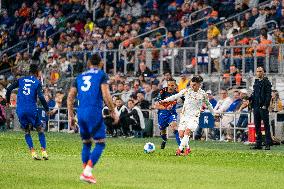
x=27, y=89
x=87, y=83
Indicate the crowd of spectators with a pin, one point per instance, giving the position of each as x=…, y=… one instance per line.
x=115, y=24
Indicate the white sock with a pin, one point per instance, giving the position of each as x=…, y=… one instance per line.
x=187, y=141
x=88, y=171
x=184, y=142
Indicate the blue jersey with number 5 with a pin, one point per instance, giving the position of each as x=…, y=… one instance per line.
x=88, y=86
x=29, y=88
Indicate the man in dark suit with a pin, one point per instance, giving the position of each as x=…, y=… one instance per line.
x=260, y=100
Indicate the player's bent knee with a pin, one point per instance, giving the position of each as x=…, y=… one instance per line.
x=101, y=141
x=87, y=141
x=174, y=125
x=40, y=129
x=163, y=132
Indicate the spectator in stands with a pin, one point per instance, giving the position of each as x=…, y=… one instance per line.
x=243, y=119
x=167, y=75
x=122, y=112
x=261, y=19
x=183, y=82
x=213, y=31
x=215, y=54
x=26, y=31
x=143, y=70
x=133, y=119
x=254, y=15
x=5, y=63
x=263, y=49
x=126, y=92
x=24, y=11
x=224, y=103
x=155, y=88
x=148, y=92
x=211, y=98
x=274, y=107
x=142, y=102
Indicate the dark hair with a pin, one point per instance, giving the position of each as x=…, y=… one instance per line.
x=171, y=79
x=167, y=71
x=95, y=59
x=130, y=100
x=34, y=69
x=197, y=79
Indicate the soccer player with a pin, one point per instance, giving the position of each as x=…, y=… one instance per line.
x=29, y=88
x=189, y=120
x=167, y=116
x=91, y=89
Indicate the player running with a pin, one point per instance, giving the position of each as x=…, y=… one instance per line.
x=29, y=88
x=91, y=88
x=189, y=119
x=167, y=115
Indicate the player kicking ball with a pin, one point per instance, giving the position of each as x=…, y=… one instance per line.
x=29, y=88
x=194, y=97
x=91, y=89
x=167, y=115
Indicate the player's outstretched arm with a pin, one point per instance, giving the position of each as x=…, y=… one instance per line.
x=41, y=98
x=208, y=104
x=175, y=97
x=70, y=105
x=10, y=89
x=108, y=101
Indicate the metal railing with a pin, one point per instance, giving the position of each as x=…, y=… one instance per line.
x=145, y=34
x=198, y=11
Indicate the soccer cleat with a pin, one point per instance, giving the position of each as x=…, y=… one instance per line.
x=88, y=179
x=257, y=147
x=44, y=155
x=178, y=152
x=163, y=145
x=187, y=151
x=35, y=156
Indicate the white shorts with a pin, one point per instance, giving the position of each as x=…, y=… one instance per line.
x=188, y=122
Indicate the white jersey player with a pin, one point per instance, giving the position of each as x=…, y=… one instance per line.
x=194, y=98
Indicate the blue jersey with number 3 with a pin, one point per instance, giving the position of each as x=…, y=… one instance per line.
x=89, y=91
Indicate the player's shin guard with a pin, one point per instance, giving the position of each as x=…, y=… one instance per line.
x=164, y=135
x=29, y=141
x=86, y=151
x=41, y=138
x=96, y=154
x=177, y=137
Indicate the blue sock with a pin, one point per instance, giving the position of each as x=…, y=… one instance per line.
x=97, y=152
x=86, y=151
x=41, y=138
x=29, y=141
x=177, y=137
x=164, y=137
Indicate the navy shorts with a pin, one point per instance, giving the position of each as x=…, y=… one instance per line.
x=91, y=124
x=165, y=120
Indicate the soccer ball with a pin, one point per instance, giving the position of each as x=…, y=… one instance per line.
x=149, y=147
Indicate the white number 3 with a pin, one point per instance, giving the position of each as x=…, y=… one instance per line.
x=87, y=83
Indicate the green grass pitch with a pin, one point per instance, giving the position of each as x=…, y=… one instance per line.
x=124, y=165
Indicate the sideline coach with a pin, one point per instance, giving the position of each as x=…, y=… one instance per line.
x=260, y=99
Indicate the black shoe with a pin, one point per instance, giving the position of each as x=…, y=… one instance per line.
x=163, y=145
x=256, y=148
x=267, y=147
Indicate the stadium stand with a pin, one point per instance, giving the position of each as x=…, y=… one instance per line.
x=140, y=40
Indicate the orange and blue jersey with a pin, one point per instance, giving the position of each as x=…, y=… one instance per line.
x=165, y=117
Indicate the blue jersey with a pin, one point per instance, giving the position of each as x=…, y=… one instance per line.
x=166, y=117
x=90, y=100
x=89, y=91
x=29, y=89
x=163, y=94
